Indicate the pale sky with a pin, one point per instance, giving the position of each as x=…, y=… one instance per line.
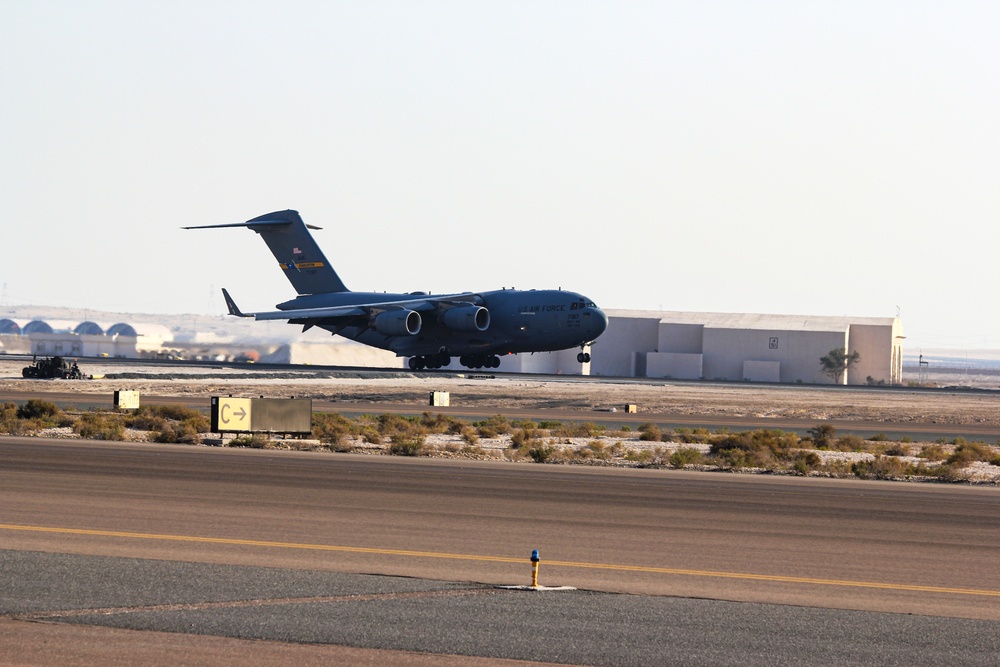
x=824, y=158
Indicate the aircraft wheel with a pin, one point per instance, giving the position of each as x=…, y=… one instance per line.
x=444, y=359
x=583, y=357
x=414, y=364
x=493, y=361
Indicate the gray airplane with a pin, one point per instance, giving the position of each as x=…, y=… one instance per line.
x=477, y=327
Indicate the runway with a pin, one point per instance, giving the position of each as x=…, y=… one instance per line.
x=830, y=544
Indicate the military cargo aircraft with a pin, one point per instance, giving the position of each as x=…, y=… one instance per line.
x=477, y=327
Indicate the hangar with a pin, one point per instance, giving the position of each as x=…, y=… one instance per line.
x=732, y=347
x=751, y=347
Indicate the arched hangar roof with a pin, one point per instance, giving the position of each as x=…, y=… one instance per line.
x=10, y=327
x=37, y=326
x=89, y=329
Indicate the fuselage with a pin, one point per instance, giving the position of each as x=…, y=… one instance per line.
x=519, y=321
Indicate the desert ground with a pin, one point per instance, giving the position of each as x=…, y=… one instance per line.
x=587, y=398
x=497, y=393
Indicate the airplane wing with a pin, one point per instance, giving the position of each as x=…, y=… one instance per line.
x=337, y=314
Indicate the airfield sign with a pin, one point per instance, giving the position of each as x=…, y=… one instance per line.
x=269, y=415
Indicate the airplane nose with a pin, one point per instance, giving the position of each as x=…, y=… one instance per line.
x=598, y=322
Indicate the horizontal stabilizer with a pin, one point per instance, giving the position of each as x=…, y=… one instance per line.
x=298, y=255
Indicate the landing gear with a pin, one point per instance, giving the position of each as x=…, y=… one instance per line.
x=432, y=361
x=480, y=361
x=583, y=357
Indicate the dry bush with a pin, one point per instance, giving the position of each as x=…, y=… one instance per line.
x=882, y=467
x=407, y=444
x=253, y=441
x=967, y=453
x=36, y=408
x=762, y=448
x=100, y=426
x=685, y=456
x=933, y=453
x=650, y=432
x=492, y=427
x=333, y=429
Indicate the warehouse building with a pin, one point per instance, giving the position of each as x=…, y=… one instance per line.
x=746, y=347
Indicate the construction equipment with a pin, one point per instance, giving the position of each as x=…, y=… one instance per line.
x=51, y=368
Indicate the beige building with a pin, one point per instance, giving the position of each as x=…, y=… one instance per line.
x=83, y=345
x=757, y=348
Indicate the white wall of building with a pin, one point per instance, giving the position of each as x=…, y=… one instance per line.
x=735, y=347
x=82, y=345
x=614, y=352
x=869, y=342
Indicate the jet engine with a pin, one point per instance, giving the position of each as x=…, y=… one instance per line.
x=397, y=323
x=466, y=318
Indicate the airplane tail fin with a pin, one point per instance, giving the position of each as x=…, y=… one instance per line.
x=289, y=240
x=231, y=304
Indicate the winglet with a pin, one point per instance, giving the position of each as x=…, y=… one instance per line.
x=231, y=305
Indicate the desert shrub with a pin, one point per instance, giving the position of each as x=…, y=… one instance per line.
x=253, y=441
x=642, y=456
x=171, y=423
x=469, y=435
x=837, y=468
x=523, y=438
x=878, y=437
x=700, y=436
x=407, y=444
x=576, y=430
x=185, y=432
x=763, y=448
x=177, y=413
x=596, y=449
x=492, y=427
x=441, y=423
x=541, y=452
x=850, y=443
x=933, y=453
x=146, y=418
x=897, y=449
x=389, y=425
x=947, y=472
x=685, y=456
x=805, y=462
x=100, y=426
x=822, y=435
x=36, y=408
x=970, y=452
x=550, y=425
x=332, y=428
x=737, y=459
x=880, y=467
x=473, y=450
x=650, y=432
x=9, y=423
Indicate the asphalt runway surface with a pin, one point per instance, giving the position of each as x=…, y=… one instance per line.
x=314, y=553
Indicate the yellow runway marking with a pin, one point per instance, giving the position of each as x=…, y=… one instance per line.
x=503, y=559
